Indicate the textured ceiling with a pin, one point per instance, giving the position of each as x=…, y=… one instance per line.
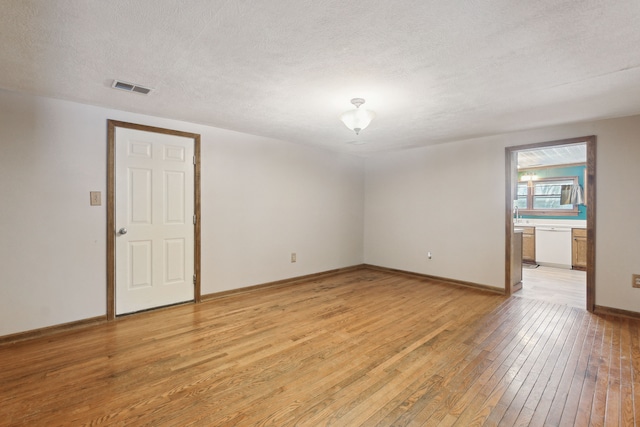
x=433, y=71
x=550, y=156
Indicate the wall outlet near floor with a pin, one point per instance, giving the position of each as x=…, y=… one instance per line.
x=293, y=257
x=429, y=255
x=636, y=280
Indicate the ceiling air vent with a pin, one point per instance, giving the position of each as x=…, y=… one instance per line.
x=130, y=87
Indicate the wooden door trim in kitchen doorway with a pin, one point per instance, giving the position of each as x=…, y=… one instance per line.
x=590, y=184
x=111, y=211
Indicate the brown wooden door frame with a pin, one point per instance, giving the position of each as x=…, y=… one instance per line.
x=111, y=206
x=511, y=179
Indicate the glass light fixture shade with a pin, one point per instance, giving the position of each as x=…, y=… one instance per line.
x=357, y=119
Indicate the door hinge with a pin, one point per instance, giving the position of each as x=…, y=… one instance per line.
x=194, y=279
x=194, y=220
x=194, y=160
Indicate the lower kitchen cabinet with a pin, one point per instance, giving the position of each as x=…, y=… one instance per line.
x=529, y=245
x=579, y=249
x=516, y=261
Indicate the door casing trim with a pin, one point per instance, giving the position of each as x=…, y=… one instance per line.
x=511, y=178
x=111, y=207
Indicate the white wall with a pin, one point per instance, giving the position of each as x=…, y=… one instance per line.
x=264, y=199
x=419, y=200
x=261, y=200
x=449, y=199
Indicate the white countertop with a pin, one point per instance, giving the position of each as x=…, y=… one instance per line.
x=572, y=223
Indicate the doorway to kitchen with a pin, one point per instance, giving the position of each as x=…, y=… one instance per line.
x=550, y=212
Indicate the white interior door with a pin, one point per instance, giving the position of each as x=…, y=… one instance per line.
x=154, y=216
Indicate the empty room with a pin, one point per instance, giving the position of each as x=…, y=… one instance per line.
x=229, y=213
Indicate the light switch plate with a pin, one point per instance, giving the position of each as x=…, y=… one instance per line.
x=96, y=198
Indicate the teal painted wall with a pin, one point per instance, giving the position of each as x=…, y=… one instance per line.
x=557, y=172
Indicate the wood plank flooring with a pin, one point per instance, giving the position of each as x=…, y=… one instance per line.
x=557, y=285
x=362, y=348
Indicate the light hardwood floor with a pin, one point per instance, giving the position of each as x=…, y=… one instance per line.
x=362, y=348
x=556, y=285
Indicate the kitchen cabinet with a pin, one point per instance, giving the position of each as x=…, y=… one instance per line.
x=528, y=245
x=516, y=260
x=579, y=249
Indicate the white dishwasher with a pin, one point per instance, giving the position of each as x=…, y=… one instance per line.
x=553, y=246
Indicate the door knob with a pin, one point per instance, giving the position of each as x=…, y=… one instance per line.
x=122, y=231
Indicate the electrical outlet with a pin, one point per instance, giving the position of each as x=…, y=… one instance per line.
x=429, y=255
x=635, y=280
x=293, y=257
x=95, y=198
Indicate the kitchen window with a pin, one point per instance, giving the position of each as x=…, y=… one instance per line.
x=544, y=197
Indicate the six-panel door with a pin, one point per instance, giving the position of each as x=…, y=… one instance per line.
x=154, y=220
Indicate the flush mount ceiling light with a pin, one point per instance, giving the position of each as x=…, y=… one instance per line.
x=358, y=118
